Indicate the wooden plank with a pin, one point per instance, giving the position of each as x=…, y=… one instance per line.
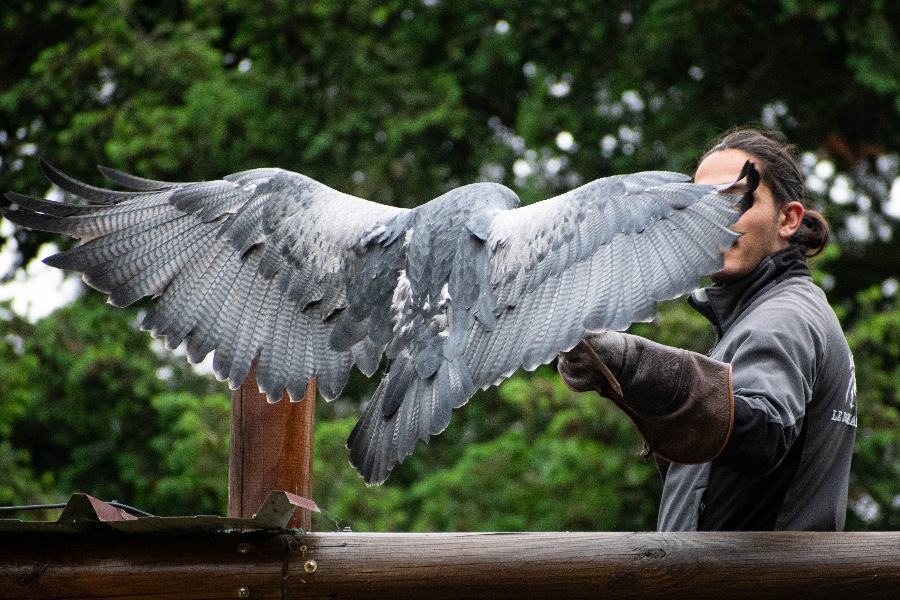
x=271, y=449
x=520, y=566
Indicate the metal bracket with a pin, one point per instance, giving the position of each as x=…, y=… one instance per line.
x=82, y=507
x=279, y=507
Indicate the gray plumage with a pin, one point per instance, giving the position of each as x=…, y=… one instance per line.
x=460, y=292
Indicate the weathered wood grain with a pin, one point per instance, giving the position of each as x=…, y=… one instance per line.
x=591, y=565
x=519, y=566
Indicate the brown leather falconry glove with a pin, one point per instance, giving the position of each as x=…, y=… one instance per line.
x=680, y=401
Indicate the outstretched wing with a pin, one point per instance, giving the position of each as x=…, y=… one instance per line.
x=597, y=257
x=255, y=265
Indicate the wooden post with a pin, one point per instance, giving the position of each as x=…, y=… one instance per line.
x=271, y=449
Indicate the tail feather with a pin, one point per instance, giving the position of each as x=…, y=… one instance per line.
x=378, y=442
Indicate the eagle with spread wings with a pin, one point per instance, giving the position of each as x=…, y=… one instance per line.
x=459, y=292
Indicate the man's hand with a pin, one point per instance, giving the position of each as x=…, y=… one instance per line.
x=680, y=401
x=581, y=372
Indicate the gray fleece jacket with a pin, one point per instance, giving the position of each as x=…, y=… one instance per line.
x=787, y=464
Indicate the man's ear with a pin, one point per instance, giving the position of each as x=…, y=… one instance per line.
x=789, y=220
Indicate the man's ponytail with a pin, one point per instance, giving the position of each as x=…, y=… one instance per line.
x=813, y=235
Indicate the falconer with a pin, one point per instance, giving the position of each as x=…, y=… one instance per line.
x=757, y=435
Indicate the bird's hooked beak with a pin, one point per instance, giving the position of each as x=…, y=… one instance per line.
x=749, y=171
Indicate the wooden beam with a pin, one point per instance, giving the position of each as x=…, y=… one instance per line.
x=138, y=566
x=518, y=566
x=271, y=449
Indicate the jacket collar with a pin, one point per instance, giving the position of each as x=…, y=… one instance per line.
x=723, y=304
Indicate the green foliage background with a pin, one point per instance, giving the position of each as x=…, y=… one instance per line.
x=398, y=101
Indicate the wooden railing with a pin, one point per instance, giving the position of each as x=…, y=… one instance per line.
x=516, y=566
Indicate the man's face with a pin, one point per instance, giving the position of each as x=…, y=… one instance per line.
x=765, y=228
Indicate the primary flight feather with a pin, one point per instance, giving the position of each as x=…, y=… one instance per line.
x=460, y=292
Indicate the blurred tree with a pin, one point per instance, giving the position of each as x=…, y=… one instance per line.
x=398, y=101
x=88, y=405
x=875, y=342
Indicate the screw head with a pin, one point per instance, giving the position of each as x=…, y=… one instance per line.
x=243, y=592
x=310, y=566
x=243, y=548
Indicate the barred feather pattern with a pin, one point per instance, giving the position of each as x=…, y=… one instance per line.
x=459, y=292
x=250, y=266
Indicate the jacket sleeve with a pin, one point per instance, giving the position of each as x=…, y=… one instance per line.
x=774, y=364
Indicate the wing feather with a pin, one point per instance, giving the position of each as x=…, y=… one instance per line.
x=595, y=258
x=133, y=181
x=274, y=358
x=213, y=314
x=254, y=265
x=175, y=315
